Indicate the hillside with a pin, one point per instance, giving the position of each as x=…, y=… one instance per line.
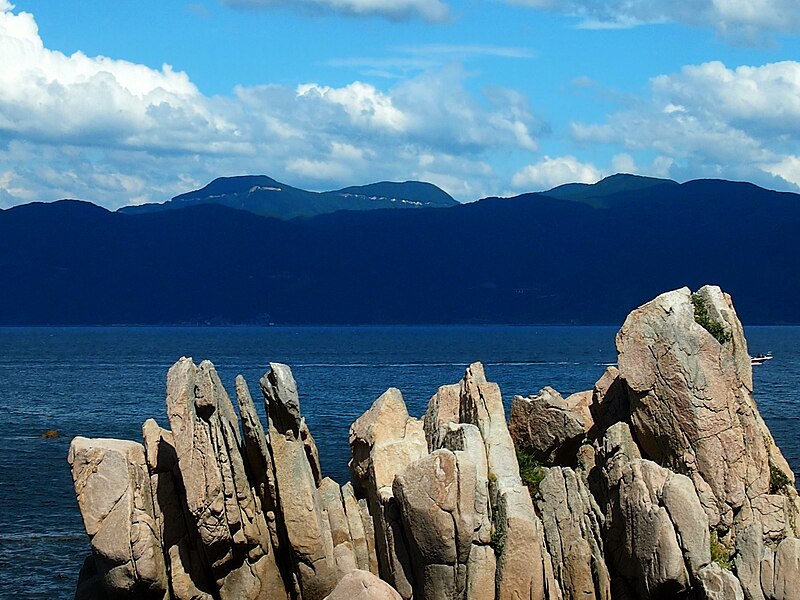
x=528, y=259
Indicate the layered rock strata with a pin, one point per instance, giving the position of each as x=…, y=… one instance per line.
x=661, y=482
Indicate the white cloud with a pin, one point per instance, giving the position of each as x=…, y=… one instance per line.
x=737, y=20
x=550, y=172
x=394, y=10
x=115, y=132
x=713, y=119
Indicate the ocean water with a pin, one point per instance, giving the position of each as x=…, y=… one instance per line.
x=104, y=382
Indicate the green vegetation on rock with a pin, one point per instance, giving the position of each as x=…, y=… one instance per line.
x=497, y=543
x=720, y=553
x=531, y=471
x=701, y=316
x=779, y=481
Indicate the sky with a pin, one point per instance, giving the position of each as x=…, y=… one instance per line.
x=136, y=101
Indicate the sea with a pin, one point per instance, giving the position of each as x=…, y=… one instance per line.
x=105, y=381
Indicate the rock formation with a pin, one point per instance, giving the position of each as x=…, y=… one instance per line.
x=661, y=482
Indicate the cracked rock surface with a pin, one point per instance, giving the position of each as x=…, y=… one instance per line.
x=661, y=482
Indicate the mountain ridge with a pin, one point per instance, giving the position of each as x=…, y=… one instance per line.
x=529, y=259
x=266, y=196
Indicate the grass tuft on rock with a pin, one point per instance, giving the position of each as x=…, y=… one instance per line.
x=702, y=318
x=720, y=553
x=779, y=481
x=531, y=471
x=497, y=542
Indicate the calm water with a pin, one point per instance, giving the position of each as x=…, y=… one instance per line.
x=104, y=382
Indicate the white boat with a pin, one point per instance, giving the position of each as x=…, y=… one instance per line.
x=760, y=359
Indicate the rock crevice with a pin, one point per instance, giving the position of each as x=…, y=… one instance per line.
x=662, y=481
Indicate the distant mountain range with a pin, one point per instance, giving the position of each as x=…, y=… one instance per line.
x=576, y=254
x=264, y=196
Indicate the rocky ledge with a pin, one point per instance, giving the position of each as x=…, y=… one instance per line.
x=661, y=482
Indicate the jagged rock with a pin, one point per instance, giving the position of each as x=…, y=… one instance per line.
x=678, y=463
x=369, y=534
x=182, y=550
x=548, y=427
x=307, y=527
x=436, y=495
x=283, y=411
x=691, y=398
x=363, y=585
x=465, y=438
x=112, y=486
x=361, y=548
x=573, y=530
x=226, y=513
x=524, y=570
x=333, y=505
x=384, y=440
x=786, y=580
x=646, y=545
x=718, y=584
x=749, y=552
x=610, y=403
x=444, y=408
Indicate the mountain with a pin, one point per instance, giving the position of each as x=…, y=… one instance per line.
x=265, y=196
x=532, y=258
x=605, y=191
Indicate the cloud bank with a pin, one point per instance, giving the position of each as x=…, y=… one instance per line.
x=712, y=120
x=115, y=132
x=395, y=10
x=736, y=20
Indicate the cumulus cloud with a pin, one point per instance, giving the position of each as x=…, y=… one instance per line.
x=116, y=132
x=718, y=120
x=550, y=172
x=737, y=20
x=394, y=10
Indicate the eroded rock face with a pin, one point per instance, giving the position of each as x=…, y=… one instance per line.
x=384, y=440
x=221, y=502
x=665, y=464
x=436, y=496
x=548, y=427
x=657, y=532
x=691, y=399
x=113, y=491
x=363, y=585
x=573, y=525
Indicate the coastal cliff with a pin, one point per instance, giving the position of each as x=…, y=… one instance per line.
x=662, y=481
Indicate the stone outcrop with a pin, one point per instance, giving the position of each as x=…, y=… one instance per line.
x=549, y=427
x=660, y=482
x=113, y=490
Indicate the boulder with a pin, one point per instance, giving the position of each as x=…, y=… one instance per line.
x=691, y=397
x=112, y=486
x=786, y=579
x=716, y=583
x=548, y=427
x=362, y=585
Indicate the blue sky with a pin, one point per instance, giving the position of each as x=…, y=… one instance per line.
x=128, y=102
